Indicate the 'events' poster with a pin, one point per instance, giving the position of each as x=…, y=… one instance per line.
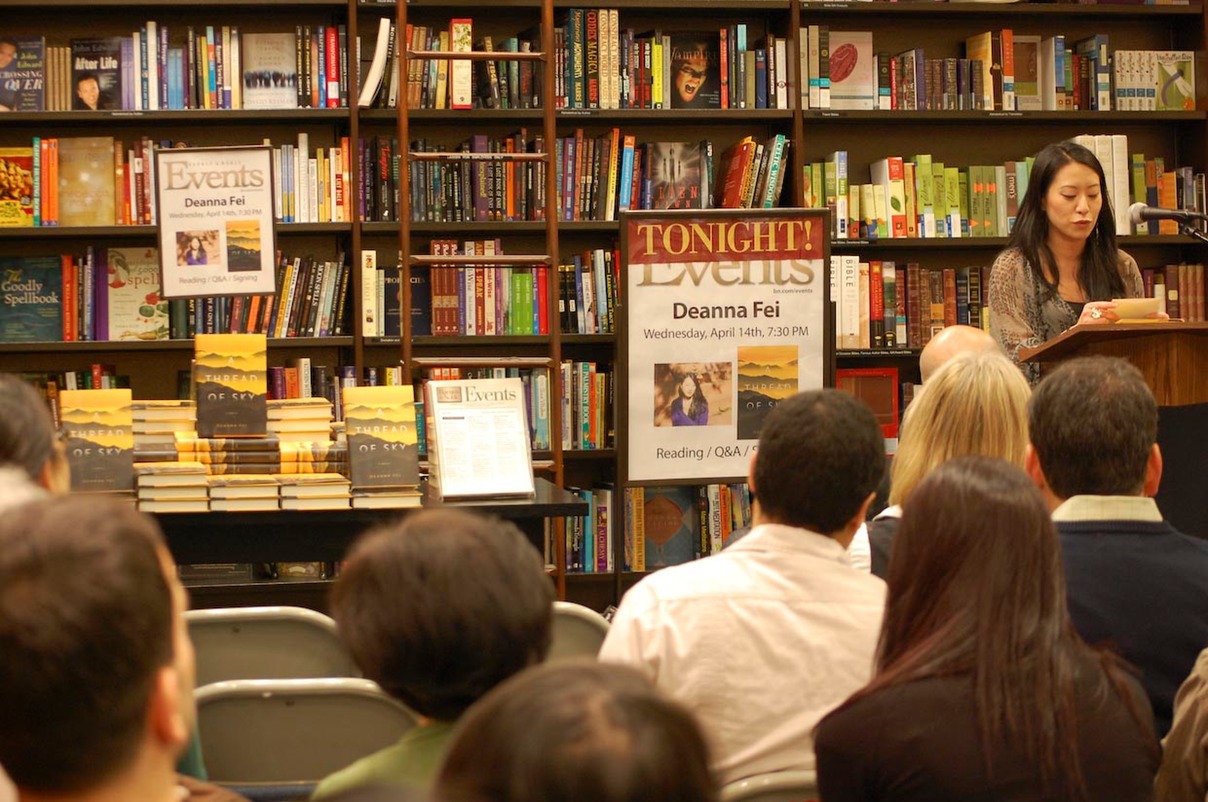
x=723, y=320
x=216, y=221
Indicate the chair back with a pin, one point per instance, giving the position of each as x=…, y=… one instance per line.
x=775, y=786
x=293, y=730
x=266, y=643
x=578, y=631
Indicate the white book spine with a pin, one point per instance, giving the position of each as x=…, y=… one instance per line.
x=370, y=317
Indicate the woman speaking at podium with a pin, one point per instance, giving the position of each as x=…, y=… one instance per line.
x=1061, y=266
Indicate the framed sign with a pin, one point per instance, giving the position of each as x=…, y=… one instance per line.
x=215, y=208
x=724, y=315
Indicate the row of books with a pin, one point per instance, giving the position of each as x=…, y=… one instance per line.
x=886, y=304
x=921, y=197
x=479, y=189
x=451, y=83
x=676, y=524
x=113, y=294
x=486, y=299
x=1002, y=70
x=203, y=67
x=97, y=181
x=600, y=65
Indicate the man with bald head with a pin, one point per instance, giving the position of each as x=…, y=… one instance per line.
x=949, y=342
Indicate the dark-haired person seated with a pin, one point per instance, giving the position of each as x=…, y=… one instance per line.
x=1135, y=584
x=982, y=688
x=437, y=609
x=97, y=667
x=1183, y=776
x=763, y=639
x=32, y=460
x=577, y=731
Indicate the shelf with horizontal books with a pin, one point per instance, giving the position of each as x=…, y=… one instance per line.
x=980, y=117
x=963, y=10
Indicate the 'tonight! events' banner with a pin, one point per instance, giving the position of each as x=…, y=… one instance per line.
x=723, y=319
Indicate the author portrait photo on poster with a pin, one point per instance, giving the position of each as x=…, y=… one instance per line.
x=196, y=247
x=693, y=394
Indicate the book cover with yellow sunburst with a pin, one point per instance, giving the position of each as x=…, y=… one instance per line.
x=231, y=376
x=99, y=426
x=382, y=445
x=767, y=375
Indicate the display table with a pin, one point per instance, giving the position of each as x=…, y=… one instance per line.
x=289, y=536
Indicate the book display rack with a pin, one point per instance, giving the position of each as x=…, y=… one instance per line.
x=492, y=147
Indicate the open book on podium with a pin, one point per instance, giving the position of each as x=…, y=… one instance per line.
x=478, y=438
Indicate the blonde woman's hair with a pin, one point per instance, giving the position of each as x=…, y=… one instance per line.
x=976, y=403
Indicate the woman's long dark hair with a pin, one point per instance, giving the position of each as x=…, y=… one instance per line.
x=699, y=403
x=976, y=587
x=1099, y=274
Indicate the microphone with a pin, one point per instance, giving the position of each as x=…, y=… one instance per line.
x=1139, y=213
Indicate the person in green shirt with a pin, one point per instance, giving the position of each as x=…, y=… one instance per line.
x=437, y=609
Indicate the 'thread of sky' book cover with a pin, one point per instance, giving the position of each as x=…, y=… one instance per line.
x=22, y=73
x=100, y=438
x=695, y=71
x=31, y=306
x=231, y=376
x=671, y=523
x=767, y=374
x=382, y=446
x=96, y=74
x=270, y=72
x=675, y=170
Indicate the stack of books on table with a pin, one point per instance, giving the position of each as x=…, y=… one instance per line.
x=224, y=456
x=156, y=423
x=383, y=456
x=314, y=491
x=244, y=492
x=326, y=457
x=172, y=487
x=300, y=420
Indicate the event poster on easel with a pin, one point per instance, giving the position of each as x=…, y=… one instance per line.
x=724, y=316
x=215, y=208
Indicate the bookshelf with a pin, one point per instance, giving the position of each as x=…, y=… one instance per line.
x=961, y=138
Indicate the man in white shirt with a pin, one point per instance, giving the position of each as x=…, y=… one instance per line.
x=768, y=636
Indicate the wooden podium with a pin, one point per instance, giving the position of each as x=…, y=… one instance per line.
x=1173, y=358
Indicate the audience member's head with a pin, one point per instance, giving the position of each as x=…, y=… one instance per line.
x=97, y=668
x=1094, y=427
x=821, y=456
x=28, y=439
x=441, y=607
x=976, y=587
x=576, y=731
x=952, y=341
x=975, y=404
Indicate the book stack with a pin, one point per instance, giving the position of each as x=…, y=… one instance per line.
x=300, y=420
x=383, y=455
x=315, y=491
x=156, y=423
x=172, y=486
x=314, y=458
x=243, y=492
x=230, y=455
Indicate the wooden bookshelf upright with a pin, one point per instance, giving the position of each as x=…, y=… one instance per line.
x=957, y=137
